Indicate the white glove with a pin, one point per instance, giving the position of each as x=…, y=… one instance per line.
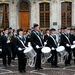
x=53, y=48
x=29, y=44
x=0, y=50
x=45, y=43
x=20, y=49
x=73, y=42
x=67, y=45
x=8, y=41
x=58, y=44
x=37, y=46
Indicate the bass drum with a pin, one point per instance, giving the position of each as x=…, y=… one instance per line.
x=30, y=53
x=46, y=54
x=61, y=50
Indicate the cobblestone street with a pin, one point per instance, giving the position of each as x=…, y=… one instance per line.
x=47, y=70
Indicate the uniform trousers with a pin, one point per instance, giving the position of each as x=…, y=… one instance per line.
x=68, y=57
x=21, y=61
x=38, y=59
x=4, y=55
x=54, y=58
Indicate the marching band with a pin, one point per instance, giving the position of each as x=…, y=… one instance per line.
x=14, y=44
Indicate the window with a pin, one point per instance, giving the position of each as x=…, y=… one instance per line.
x=44, y=15
x=4, y=15
x=24, y=6
x=66, y=14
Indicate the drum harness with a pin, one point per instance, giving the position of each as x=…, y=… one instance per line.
x=22, y=43
x=38, y=38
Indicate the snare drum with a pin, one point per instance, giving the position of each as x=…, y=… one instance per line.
x=47, y=52
x=30, y=53
x=61, y=50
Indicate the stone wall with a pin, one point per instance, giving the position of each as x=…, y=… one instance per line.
x=55, y=13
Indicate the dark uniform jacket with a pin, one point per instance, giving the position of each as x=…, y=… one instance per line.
x=52, y=42
x=71, y=38
x=64, y=40
x=46, y=36
x=36, y=40
x=6, y=47
x=18, y=43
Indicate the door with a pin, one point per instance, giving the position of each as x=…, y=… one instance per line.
x=24, y=15
x=24, y=20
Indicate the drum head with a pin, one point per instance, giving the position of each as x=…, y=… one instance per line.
x=60, y=48
x=72, y=46
x=28, y=49
x=46, y=50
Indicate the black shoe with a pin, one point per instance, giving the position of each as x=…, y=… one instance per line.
x=66, y=64
x=24, y=71
x=21, y=72
x=9, y=65
x=56, y=66
x=37, y=68
x=69, y=64
x=5, y=66
x=52, y=66
x=40, y=68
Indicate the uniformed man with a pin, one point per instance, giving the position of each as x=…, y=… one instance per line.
x=6, y=47
x=37, y=43
x=20, y=43
x=52, y=43
x=66, y=43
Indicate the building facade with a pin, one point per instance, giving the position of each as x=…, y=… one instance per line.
x=46, y=13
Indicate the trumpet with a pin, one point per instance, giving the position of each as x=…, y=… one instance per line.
x=9, y=37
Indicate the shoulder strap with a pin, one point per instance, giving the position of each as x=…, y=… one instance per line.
x=38, y=38
x=67, y=39
x=53, y=39
x=21, y=42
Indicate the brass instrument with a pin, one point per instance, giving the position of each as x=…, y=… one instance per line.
x=9, y=37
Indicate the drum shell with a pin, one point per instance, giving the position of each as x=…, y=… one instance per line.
x=61, y=50
x=30, y=54
x=62, y=53
x=46, y=54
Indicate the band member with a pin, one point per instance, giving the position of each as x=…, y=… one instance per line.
x=53, y=45
x=20, y=43
x=37, y=42
x=6, y=47
x=66, y=43
x=28, y=35
x=11, y=33
x=72, y=40
x=46, y=36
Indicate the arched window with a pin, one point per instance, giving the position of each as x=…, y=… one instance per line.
x=44, y=15
x=66, y=14
x=4, y=15
x=24, y=6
